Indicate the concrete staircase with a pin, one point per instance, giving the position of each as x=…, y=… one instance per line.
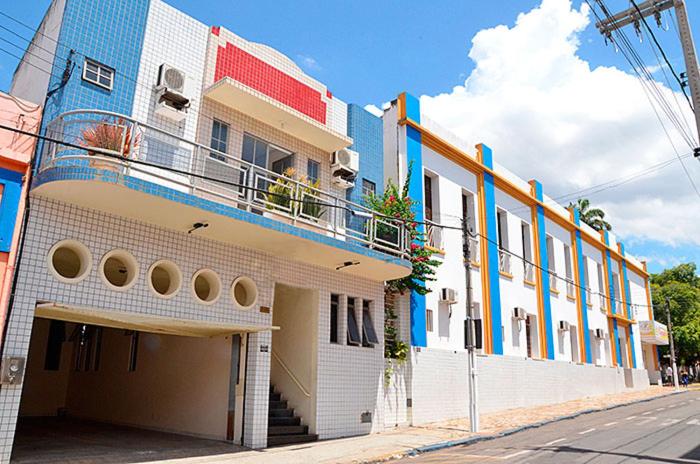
x=283, y=426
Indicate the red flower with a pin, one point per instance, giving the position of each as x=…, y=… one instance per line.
x=414, y=246
x=392, y=198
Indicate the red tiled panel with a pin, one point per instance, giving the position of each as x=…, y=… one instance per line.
x=247, y=69
x=216, y=30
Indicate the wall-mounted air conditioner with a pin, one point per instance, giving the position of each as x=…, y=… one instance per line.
x=345, y=164
x=171, y=101
x=599, y=333
x=448, y=295
x=519, y=313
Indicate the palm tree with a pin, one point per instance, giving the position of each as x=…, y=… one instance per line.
x=594, y=217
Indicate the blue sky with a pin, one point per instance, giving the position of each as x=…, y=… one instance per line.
x=368, y=51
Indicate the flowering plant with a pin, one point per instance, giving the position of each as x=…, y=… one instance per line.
x=117, y=137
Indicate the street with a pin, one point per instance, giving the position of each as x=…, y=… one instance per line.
x=666, y=430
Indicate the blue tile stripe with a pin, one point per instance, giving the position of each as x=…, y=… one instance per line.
x=414, y=155
x=544, y=274
x=12, y=190
x=582, y=286
x=611, y=297
x=492, y=253
x=71, y=173
x=628, y=303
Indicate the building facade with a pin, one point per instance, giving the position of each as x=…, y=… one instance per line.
x=16, y=151
x=197, y=258
x=556, y=302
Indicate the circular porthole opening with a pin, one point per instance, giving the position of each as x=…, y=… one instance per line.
x=165, y=278
x=206, y=286
x=70, y=261
x=244, y=292
x=119, y=269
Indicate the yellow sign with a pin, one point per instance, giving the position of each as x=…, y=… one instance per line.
x=654, y=333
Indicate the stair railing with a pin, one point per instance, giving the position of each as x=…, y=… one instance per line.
x=291, y=375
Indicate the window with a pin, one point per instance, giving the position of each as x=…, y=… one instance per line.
x=369, y=335
x=219, y=139
x=550, y=254
x=468, y=214
x=429, y=320
x=528, y=266
x=502, y=226
x=265, y=155
x=601, y=285
x=570, y=286
x=312, y=170
x=133, y=350
x=54, y=345
x=353, y=330
x=428, y=197
x=368, y=187
x=98, y=74
x=335, y=303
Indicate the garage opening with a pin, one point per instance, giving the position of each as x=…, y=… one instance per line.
x=113, y=394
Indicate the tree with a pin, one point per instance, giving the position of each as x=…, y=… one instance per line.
x=681, y=285
x=594, y=217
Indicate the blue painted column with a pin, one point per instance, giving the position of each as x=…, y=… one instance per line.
x=583, y=304
x=543, y=271
x=494, y=279
x=628, y=303
x=414, y=158
x=611, y=296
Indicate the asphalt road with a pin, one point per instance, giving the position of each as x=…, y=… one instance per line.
x=665, y=430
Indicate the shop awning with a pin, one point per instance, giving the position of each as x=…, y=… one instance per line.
x=143, y=322
x=653, y=333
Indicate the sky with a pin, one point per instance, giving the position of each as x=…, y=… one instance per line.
x=533, y=79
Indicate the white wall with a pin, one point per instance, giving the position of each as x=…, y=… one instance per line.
x=28, y=82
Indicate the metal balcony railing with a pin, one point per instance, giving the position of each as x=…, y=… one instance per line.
x=474, y=251
x=601, y=302
x=570, y=288
x=589, y=296
x=433, y=235
x=121, y=144
x=528, y=271
x=553, y=280
x=504, y=261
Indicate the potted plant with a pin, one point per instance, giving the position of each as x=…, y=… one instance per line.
x=118, y=137
x=279, y=192
x=311, y=206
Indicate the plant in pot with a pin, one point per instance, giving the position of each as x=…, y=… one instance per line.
x=279, y=192
x=312, y=207
x=117, y=137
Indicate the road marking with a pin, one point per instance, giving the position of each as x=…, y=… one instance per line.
x=631, y=417
x=610, y=423
x=647, y=413
x=693, y=422
x=586, y=431
x=646, y=420
x=668, y=422
x=554, y=441
x=519, y=453
x=660, y=409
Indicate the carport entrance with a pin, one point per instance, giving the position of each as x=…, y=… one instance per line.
x=95, y=382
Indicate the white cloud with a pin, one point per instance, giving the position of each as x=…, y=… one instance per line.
x=547, y=114
x=309, y=63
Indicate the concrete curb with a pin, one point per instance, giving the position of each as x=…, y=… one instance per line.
x=480, y=438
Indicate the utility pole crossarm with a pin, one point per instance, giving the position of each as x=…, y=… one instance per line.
x=631, y=15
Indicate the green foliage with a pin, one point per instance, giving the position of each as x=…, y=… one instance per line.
x=681, y=285
x=279, y=195
x=594, y=217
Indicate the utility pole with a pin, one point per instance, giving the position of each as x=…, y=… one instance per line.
x=671, y=346
x=470, y=331
x=637, y=13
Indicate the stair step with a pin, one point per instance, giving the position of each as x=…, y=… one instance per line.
x=275, y=421
x=275, y=397
x=287, y=430
x=279, y=404
x=278, y=440
x=281, y=412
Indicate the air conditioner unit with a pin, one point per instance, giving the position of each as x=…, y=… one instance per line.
x=345, y=165
x=519, y=313
x=564, y=326
x=599, y=333
x=171, y=102
x=448, y=295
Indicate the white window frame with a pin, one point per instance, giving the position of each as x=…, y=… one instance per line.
x=102, y=71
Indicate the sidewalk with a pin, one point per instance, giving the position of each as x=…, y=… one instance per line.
x=398, y=442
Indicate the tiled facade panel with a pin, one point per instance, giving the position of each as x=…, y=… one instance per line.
x=507, y=382
x=110, y=32
x=274, y=76
x=341, y=367
x=240, y=124
x=178, y=40
x=247, y=69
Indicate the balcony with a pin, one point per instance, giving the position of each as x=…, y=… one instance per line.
x=134, y=170
x=433, y=236
x=553, y=282
x=570, y=288
x=528, y=272
x=474, y=251
x=504, y=260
